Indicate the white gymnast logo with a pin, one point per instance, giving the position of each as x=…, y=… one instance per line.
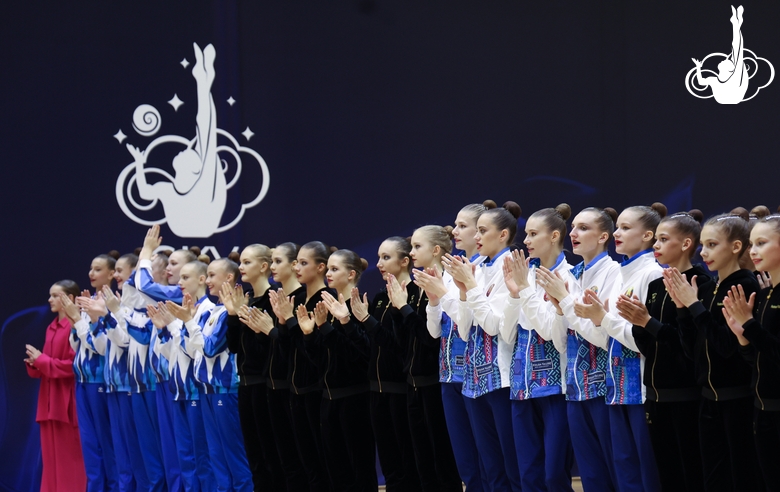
x=730, y=84
x=194, y=198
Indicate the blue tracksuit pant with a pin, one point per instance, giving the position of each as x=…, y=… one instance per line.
x=226, y=443
x=491, y=423
x=543, y=443
x=95, y=433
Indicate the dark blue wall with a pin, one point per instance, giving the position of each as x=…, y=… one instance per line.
x=374, y=117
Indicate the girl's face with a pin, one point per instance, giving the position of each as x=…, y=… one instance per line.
x=391, y=261
x=55, y=303
x=122, y=272
x=464, y=231
x=216, y=275
x=338, y=275
x=100, y=274
x=281, y=266
x=251, y=267
x=765, y=247
x=490, y=240
x=175, y=262
x=539, y=239
x=630, y=236
x=307, y=270
x=586, y=239
x=669, y=245
x=716, y=250
x=190, y=281
x=424, y=253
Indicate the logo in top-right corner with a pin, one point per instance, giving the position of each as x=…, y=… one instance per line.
x=731, y=83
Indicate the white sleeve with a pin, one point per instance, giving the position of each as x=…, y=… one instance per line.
x=488, y=312
x=615, y=325
x=82, y=331
x=464, y=313
x=508, y=328
x=543, y=318
x=193, y=344
x=169, y=349
x=118, y=335
x=433, y=319
x=583, y=326
x=100, y=341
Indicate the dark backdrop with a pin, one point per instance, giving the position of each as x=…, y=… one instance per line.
x=374, y=117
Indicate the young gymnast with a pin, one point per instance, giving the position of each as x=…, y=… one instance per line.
x=433, y=451
x=303, y=375
x=387, y=381
x=754, y=320
x=725, y=412
x=541, y=431
x=632, y=450
x=251, y=351
x=672, y=395
x=341, y=348
x=483, y=295
x=188, y=422
x=205, y=341
x=91, y=403
x=441, y=311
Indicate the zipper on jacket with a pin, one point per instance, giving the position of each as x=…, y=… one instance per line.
x=271, y=365
x=758, y=357
x=378, y=380
x=325, y=376
x=707, y=349
x=414, y=344
x=295, y=366
x=243, y=360
x=655, y=355
x=379, y=352
x=411, y=365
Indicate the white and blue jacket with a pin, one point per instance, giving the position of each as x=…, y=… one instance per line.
x=528, y=325
x=184, y=386
x=88, y=364
x=626, y=364
x=586, y=354
x=487, y=357
x=111, y=340
x=205, y=340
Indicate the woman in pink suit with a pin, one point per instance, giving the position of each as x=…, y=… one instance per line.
x=63, y=465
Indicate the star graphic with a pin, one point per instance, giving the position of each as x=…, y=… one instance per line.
x=231, y=101
x=248, y=134
x=120, y=136
x=175, y=102
x=184, y=63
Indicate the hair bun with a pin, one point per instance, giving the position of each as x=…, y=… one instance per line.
x=448, y=230
x=741, y=212
x=114, y=254
x=514, y=209
x=565, y=210
x=697, y=215
x=332, y=249
x=759, y=211
x=489, y=204
x=234, y=256
x=196, y=250
x=660, y=208
x=364, y=264
x=204, y=259
x=612, y=214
